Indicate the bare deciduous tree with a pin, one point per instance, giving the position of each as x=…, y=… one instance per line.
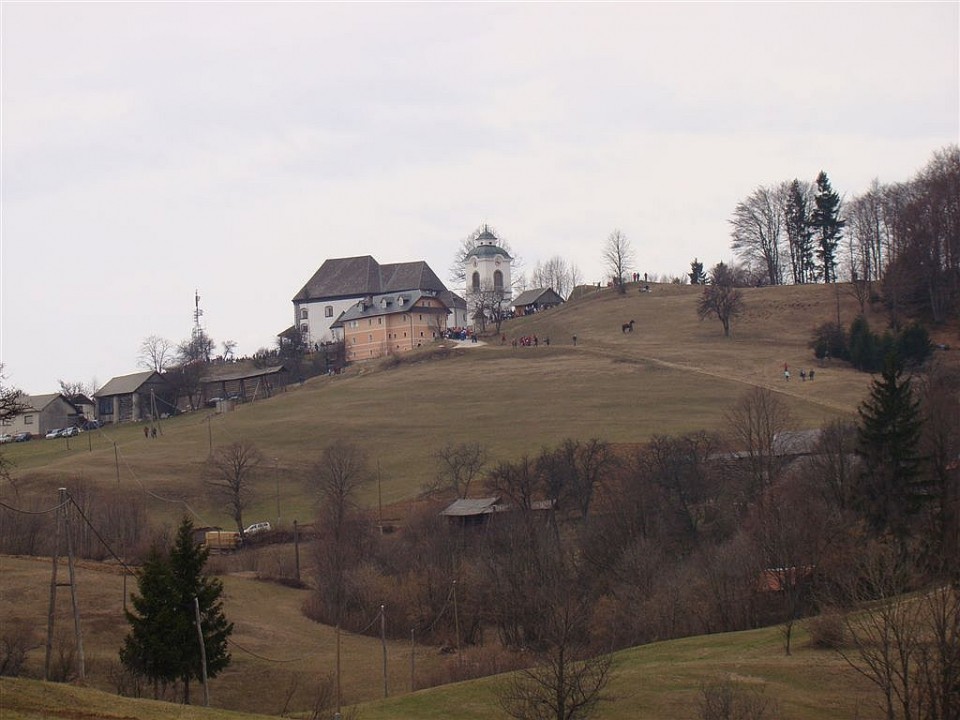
x=342, y=471
x=567, y=682
x=727, y=699
x=458, y=466
x=230, y=475
x=12, y=403
x=558, y=274
x=618, y=258
x=721, y=297
x=156, y=353
x=906, y=643
x=756, y=423
x=758, y=231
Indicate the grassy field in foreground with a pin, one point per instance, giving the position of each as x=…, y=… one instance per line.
x=662, y=681
x=656, y=682
x=278, y=654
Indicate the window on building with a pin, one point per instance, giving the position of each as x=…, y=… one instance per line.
x=475, y=282
x=28, y=419
x=303, y=314
x=328, y=311
x=497, y=280
x=304, y=329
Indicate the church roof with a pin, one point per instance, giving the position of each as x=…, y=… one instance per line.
x=360, y=276
x=487, y=246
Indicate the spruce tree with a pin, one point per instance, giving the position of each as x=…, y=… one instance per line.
x=162, y=644
x=891, y=489
x=697, y=275
x=799, y=233
x=828, y=226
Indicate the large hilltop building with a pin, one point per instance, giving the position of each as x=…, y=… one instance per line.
x=341, y=283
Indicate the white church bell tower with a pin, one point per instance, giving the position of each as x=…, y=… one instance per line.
x=487, y=272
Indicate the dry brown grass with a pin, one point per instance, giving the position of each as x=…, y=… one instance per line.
x=279, y=656
x=673, y=374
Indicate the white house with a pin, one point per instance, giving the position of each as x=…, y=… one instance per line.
x=41, y=414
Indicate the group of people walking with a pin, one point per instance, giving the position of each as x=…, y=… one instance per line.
x=803, y=373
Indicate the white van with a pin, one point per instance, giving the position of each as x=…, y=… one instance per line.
x=257, y=528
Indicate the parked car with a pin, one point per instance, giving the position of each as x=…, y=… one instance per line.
x=257, y=528
x=5, y=438
x=55, y=433
x=70, y=432
x=91, y=425
x=23, y=437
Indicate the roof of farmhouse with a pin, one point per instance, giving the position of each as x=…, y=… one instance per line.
x=388, y=304
x=359, y=276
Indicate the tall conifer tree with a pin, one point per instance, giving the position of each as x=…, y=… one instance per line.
x=162, y=644
x=892, y=488
x=827, y=225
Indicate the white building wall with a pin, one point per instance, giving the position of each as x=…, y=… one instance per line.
x=320, y=315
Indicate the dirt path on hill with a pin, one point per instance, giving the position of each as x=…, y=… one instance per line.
x=777, y=388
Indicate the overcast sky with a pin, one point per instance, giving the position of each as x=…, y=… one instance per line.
x=151, y=149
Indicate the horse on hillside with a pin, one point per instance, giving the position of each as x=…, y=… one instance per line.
x=627, y=327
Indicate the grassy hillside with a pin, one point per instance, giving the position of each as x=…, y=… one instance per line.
x=662, y=682
x=656, y=682
x=673, y=374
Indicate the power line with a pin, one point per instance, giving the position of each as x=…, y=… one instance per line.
x=33, y=512
x=99, y=536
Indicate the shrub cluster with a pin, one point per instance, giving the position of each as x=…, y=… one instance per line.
x=867, y=350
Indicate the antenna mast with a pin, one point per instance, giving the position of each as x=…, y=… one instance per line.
x=197, y=314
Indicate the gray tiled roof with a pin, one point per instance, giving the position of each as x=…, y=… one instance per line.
x=485, y=251
x=125, y=384
x=39, y=402
x=384, y=304
x=528, y=297
x=359, y=276
x=243, y=374
x=471, y=506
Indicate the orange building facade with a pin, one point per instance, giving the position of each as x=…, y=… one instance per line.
x=383, y=324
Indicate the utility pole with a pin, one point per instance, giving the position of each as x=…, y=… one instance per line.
x=203, y=652
x=296, y=548
x=338, y=662
x=456, y=622
x=63, y=528
x=116, y=461
x=81, y=671
x=413, y=653
x=383, y=643
x=51, y=612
